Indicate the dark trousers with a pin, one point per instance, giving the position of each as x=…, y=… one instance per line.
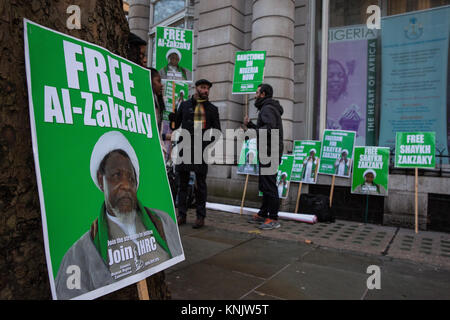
x=200, y=192
x=270, y=200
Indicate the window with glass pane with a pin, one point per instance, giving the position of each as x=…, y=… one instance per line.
x=166, y=8
x=415, y=71
x=394, y=79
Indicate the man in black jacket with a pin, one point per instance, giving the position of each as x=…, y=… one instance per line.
x=269, y=120
x=195, y=115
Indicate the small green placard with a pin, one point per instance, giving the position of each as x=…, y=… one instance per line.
x=248, y=71
x=337, y=152
x=371, y=171
x=306, y=161
x=415, y=150
x=284, y=175
x=175, y=92
x=248, y=160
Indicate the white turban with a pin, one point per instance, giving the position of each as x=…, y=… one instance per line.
x=173, y=50
x=370, y=171
x=110, y=141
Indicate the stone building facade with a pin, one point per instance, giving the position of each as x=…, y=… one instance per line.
x=288, y=30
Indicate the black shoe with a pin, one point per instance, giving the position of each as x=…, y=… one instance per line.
x=200, y=222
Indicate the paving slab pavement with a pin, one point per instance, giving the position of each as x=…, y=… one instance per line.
x=230, y=259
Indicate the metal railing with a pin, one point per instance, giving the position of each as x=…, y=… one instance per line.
x=442, y=168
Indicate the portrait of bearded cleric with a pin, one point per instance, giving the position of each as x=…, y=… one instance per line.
x=126, y=237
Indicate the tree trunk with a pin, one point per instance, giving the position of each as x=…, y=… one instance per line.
x=22, y=257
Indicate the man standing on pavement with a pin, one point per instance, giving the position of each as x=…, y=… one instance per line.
x=196, y=115
x=269, y=119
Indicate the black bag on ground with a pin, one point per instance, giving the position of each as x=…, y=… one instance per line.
x=317, y=204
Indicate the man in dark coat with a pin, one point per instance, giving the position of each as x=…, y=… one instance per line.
x=269, y=119
x=195, y=115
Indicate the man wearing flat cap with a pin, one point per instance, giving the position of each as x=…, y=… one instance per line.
x=196, y=115
x=173, y=71
x=127, y=237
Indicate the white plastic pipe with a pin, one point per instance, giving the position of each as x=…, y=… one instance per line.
x=308, y=218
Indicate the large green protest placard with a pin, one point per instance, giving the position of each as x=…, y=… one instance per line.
x=108, y=216
x=174, y=53
x=284, y=175
x=248, y=160
x=371, y=171
x=337, y=152
x=415, y=150
x=306, y=161
x=248, y=71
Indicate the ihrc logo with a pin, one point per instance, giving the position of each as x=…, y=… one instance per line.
x=415, y=29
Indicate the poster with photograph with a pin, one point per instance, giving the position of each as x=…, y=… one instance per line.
x=337, y=152
x=107, y=212
x=175, y=92
x=284, y=175
x=351, y=89
x=306, y=161
x=371, y=171
x=248, y=159
x=174, y=53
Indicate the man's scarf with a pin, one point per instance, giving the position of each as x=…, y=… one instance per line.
x=199, y=115
x=101, y=238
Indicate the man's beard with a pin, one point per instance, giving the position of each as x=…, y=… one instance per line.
x=202, y=97
x=259, y=102
x=124, y=217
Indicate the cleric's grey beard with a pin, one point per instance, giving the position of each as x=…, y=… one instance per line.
x=126, y=218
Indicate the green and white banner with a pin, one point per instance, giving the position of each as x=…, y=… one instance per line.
x=337, y=152
x=174, y=53
x=371, y=171
x=248, y=71
x=284, y=175
x=248, y=160
x=415, y=150
x=175, y=92
x=306, y=161
x=107, y=212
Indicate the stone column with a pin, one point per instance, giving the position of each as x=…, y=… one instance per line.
x=273, y=31
x=138, y=18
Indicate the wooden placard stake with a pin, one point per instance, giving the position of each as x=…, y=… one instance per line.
x=246, y=178
x=298, y=196
x=246, y=105
x=143, y=290
x=243, y=194
x=172, y=125
x=416, y=200
x=332, y=189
